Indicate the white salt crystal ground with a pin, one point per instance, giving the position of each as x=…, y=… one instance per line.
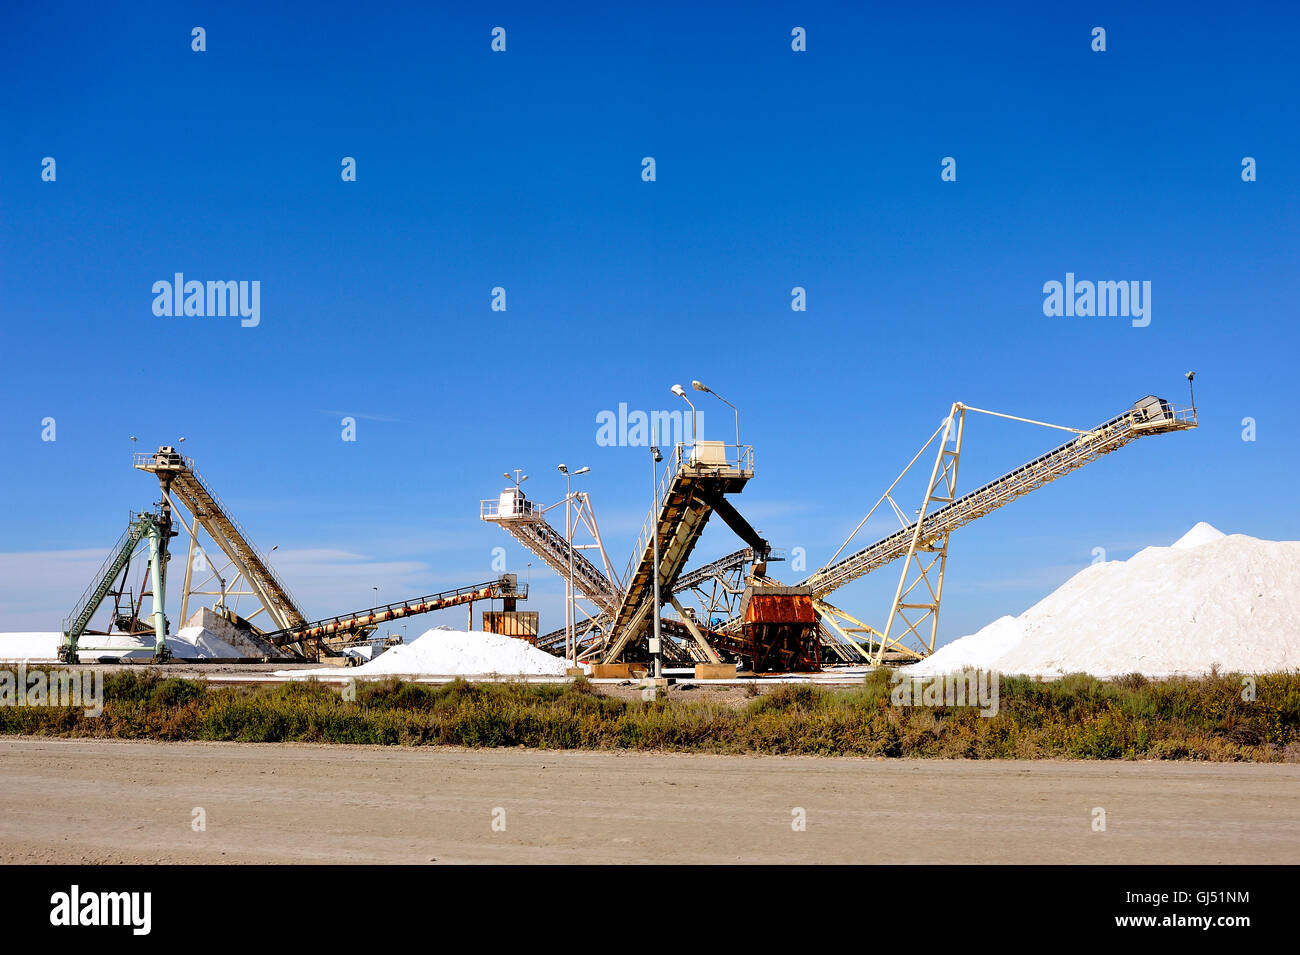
x=1208, y=599
x=189, y=642
x=441, y=652
x=18, y=647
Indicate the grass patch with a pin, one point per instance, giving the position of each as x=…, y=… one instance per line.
x=1076, y=717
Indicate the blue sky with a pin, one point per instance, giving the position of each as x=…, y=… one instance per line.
x=522, y=170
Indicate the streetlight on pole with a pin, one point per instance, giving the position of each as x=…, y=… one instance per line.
x=655, y=458
x=680, y=392
x=701, y=386
x=570, y=637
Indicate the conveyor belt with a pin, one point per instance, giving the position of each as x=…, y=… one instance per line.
x=686, y=497
x=202, y=502
x=1107, y=437
x=367, y=620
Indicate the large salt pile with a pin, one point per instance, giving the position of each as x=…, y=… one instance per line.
x=31, y=647
x=443, y=652
x=198, y=642
x=188, y=643
x=1208, y=599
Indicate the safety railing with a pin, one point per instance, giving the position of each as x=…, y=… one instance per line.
x=1169, y=417
x=146, y=460
x=491, y=509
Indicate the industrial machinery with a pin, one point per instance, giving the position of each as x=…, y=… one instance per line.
x=923, y=543
x=771, y=626
x=693, y=488
x=727, y=610
x=112, y=579
x=595, y=590
x=357, y=626
x=250, y=570
x=276, y=625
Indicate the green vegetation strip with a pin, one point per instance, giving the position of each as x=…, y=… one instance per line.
x=1075, y=717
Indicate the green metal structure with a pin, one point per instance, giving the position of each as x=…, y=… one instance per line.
x=156, y=529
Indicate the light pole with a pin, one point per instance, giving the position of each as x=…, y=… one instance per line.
x=701, y=386
x=655, y=458
x=680, y=392
x=1190, y=376
x=570, y=637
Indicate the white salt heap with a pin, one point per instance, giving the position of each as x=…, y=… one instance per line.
x=188, y=643
x=1208, y=599
x=443, y=652
x=19, y=647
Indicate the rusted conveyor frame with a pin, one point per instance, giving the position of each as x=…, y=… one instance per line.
x=368, y=619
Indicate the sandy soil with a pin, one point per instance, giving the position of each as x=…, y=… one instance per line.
x=93, y=801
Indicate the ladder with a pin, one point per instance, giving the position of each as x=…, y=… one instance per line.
x=527, y=523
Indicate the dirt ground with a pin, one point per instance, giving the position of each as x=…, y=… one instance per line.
x=111, y=801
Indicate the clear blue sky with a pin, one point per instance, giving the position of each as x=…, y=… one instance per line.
x=522, y=170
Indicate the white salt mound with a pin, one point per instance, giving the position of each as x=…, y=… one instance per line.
x=195, y=642
x=189, y=643
x=1208, y=599
x=29, y=647
x=441, y=652
x=1201, y=533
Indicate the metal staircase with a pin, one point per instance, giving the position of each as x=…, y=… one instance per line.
x=527, y=523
